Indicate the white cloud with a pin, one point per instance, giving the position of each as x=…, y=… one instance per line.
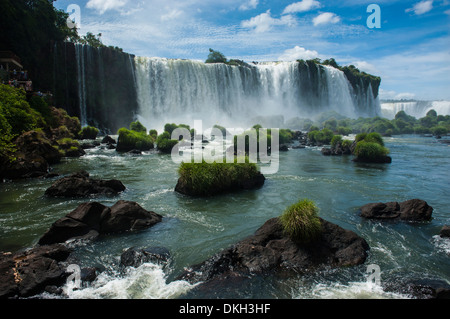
x=366, y=67
x=175, y=13
x=104, y=5
x=264, y=22
x=297, y=53
x=302, y=6
x=326, y=18
x=392, y=95
x=447, y=12
x=421, y=7
x=251, y=4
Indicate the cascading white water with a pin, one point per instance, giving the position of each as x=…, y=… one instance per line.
x=182, y=91
x=339, y=89
x=79, y=52
x=418, y=109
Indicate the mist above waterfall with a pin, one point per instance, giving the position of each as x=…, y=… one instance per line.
x=182, y=91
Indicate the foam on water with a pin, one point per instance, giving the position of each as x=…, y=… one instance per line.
x=146, y=282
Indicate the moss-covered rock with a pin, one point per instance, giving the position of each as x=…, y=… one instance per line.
x=88, y=133
x=131, y=140
x=205, y=179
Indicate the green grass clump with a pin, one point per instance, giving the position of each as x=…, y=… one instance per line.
x=205, y=179
x=301, y=222
x=88, y=133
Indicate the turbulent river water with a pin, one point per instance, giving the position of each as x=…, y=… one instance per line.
x=196, y=229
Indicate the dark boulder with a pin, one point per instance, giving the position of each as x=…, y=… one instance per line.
x=270, y=249
x=284, y=148
x=134, y=258
x=28, y=273
x=326, y=151
x=376, y=160
x=423, y=288
x=108, y=140
x=414, y=210
x=89, y=220
x=445, y=232
x=81, y=185
x=127, y=216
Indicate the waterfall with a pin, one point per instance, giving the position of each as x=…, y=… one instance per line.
x=80, y=60
x=106, y=87
x=418, y=109
x=183, y=90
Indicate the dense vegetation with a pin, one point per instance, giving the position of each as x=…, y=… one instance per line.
x=33, y=134
x=301, y=222
x=403, y=123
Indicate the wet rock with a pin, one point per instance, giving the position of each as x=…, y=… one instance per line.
x=445, y=232
x=81, y=185
x=269, y=249
x=28, y=273
x=135, y=258
x=426, y=288
x=377, y=160
x=414, y=210
x=108, y=140
x=89, y=220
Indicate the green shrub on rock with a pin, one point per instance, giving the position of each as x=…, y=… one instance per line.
x=301, y=222
x=131, y=140
x=88, y=133
x=165, y=144
x=207, y=179
x=370, y=150
x=138, y=127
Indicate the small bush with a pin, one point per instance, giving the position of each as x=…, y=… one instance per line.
x=138, y=127
x=323, y=137
x=131, y=140
x=88, y=133
x=370, y=150
x=301, y=222
x=374, y=138
x=336, y=140
x=165, y=144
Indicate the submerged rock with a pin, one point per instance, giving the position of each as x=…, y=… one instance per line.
x=89, y=220
x=270, y=249
x=81, y=185
x=415, y=210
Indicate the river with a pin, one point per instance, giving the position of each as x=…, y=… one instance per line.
x=195, y=229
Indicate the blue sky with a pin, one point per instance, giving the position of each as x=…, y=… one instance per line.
x=411, y=50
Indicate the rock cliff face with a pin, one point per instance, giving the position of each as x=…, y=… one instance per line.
x=95, y=84
x=107, y=88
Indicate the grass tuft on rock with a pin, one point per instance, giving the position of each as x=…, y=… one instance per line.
x=301, y=222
